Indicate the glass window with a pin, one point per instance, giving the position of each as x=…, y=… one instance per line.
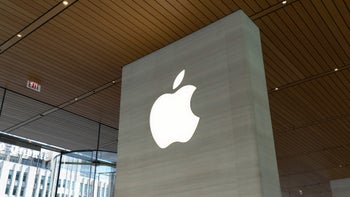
x=14, y=191
x=17, y=175
x=22, y=191
x=10, y=175
x=28, y=176
x=25, y=174
x=7, y=191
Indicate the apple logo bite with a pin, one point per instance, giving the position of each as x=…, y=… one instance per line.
x=171, y=118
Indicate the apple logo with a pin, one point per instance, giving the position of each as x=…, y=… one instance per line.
x=171, y=118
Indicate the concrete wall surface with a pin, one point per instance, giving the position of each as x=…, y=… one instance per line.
x=232, y=151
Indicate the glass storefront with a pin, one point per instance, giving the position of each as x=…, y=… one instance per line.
x=25, y=172
x=86, y=173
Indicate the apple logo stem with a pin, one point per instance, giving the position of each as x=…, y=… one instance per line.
x=171, y=117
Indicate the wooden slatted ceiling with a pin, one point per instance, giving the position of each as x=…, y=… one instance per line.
x=303, y=42
x=17, y=14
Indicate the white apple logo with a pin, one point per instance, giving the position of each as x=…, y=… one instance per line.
x=171, y=117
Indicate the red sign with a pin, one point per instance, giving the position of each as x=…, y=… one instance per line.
x=33, y=85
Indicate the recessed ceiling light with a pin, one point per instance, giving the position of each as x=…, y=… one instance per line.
x=336, y=69
x=284, y=2
x=65, y=2
x=276, y=89
x=19, y=35
x=301, y=192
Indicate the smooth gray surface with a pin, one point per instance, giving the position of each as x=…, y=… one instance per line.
x=340, y=187
x=232, y=151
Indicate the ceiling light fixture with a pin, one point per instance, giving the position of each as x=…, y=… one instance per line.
x=276, y=89
x=19, y=35
x=300, y=192
x=336, y=69
x=284, y=2
x=65, y=2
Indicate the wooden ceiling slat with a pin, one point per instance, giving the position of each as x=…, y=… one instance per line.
x=324, y=97
x=52, y=37
x=305, y=104
x=252, y=4
x=161, y=28
x=275, y=64
x=64, y=72
x=53, y=41
x=178, y=15
x=292, y=165
x=344, y=79
x=210, y=6
x=289, y=107
x=281, y=121
x=345, y=13
x=105, y=112
x=308, y=35
x=158, y=6
x=279, y=76
x=333, y=83
x=13, y=22
x=285, y=37
x=222, y=7
x=140, y=25
x=297, y=142
x=187, y=13
x=91, y=47
x=337, y=83
x=245, y=7
x=315, y=35
x=284, y=53
x=20, y=10
x=318, y=61
x=194, y=11
x=279, y=57
x=273, y=2
x=279, y=109
x=320, y=24
x=96, y=36
x=340, y=15
x=335, y=23
x=316, y=101
x=332, y=133
x=38, y=8
x=263, y=4
x=100, y=22
x=341, y=128
x=160, y=20
x=231, y=5
x=205, y=11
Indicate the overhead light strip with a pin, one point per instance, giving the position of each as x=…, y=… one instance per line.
x=36, y=24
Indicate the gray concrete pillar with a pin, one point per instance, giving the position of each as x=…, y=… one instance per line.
x=340, y=187
x=230, y=152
